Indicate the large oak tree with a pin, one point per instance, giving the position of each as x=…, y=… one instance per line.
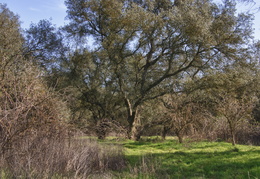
x=146, y=47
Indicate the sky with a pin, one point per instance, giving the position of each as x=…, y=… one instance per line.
x=32, y=11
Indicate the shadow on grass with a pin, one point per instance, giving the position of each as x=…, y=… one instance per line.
x=155, y=146
x=208, y=161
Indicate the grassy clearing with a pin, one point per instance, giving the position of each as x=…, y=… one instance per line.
x=153, y=158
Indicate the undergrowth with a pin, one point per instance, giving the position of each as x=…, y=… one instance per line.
x=152, y=158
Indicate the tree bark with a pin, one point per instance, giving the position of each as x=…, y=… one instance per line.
x=233, y=140
x=233, y=137
x=130, y=120
x=180, y=137
x=137, y=128
x=130, y=117
x=232, y=128
x=134, y=130
x=136, y=133
x=165, y=130
x=101, y=130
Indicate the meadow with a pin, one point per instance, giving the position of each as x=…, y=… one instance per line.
x=149, y=158
x=154, y=158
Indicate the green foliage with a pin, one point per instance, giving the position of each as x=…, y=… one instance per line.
x=11, y=40
x=145, y=49
x=4, y=174
x=46, y=44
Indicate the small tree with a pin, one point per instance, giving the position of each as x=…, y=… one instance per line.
x=235, y=111
x=183, y=110
x=231, y=94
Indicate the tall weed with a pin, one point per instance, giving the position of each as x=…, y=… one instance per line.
x=47, y=158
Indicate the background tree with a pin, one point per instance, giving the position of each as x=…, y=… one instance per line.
x=235, y=112
x=184, y=111
x=256, y=60
x=231, y=97
x=11, y=40
x=46, y=44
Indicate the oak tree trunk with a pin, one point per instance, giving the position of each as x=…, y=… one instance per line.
x=165, y=130
x=180, y=137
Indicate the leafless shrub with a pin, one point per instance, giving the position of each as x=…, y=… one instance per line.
x=36, y=158
x=28, y=107
x=45, y=158
x=183, y=112
x=106, y=126
x=31, y=118
x=148, y=167
x=34, y=132
x=93, y=158
x=217, y=129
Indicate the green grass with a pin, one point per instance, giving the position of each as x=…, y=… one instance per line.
x=212, y=160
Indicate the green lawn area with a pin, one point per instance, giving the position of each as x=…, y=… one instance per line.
x=152, y=158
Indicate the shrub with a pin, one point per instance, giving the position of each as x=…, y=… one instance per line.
x=34, y=133
x=45, y=158
x=93, y=158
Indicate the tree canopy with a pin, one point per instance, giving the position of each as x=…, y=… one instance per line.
x=147, y=47
x=143, y=51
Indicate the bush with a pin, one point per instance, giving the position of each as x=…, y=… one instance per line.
x=35, y=133
x=93, y=158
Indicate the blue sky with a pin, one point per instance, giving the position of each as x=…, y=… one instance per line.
x=31, y=11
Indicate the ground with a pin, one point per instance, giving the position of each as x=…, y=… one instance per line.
x=154, y=158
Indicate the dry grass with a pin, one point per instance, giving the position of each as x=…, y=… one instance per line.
x=46, y=158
